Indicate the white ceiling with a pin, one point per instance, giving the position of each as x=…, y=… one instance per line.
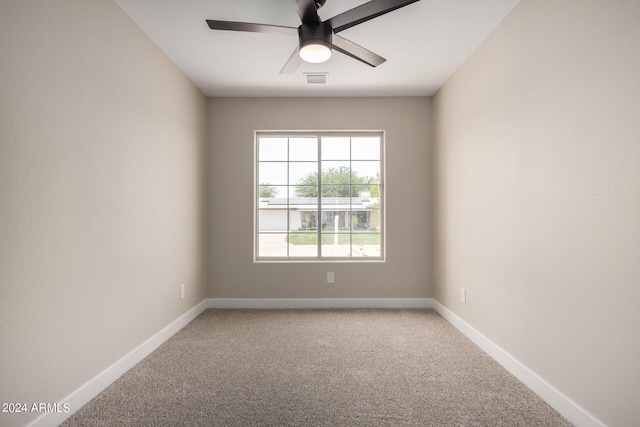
x=424, y=44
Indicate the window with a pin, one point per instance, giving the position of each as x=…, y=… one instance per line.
x=319, y=196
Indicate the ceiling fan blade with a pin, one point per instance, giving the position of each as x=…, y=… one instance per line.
x=365, y=12
x=251, y=28
x=293, y=63
x=356, y=51
x=307, y=11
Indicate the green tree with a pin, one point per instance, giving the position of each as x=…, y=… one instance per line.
x=267, y=191
x=335, y=183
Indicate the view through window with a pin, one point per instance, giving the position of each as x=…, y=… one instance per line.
x=319, y=196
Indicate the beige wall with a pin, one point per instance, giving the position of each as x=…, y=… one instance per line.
x=537, y=197
x=102, y=145
x=407, y=271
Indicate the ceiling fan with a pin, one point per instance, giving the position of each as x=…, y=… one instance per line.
x=317, y=38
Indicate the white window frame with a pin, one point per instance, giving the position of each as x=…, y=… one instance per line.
x=319, y=257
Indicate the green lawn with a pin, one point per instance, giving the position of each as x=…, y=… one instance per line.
x=327, y=239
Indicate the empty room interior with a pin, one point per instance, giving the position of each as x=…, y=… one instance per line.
x=501, y=201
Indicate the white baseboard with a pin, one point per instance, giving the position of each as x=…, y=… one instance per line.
x=273, y=303
x=93, y=387
x=558, y=401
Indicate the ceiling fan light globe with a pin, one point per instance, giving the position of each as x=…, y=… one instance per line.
x=315, y=53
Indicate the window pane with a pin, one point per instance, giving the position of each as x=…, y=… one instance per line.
x=303, y=173
x=303, y=245
x=272, y=148
x=335, y=148
x=272, y=220
x=329, y=221
x=303, y=148
x=365, y=148
x=364, y=172
x=304, y=219
x=336, y=245
x=335, y=173
x=272, y=173
x=367, y=244
x=272, y=245
x=360, y=219
x=335, y=221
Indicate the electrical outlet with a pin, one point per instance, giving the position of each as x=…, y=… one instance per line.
x=182, y=291
x=463, y=295
x=330, y=277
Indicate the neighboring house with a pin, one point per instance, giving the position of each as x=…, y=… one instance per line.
x=362, y=212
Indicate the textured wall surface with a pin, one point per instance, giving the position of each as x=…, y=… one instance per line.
x=101, y=195
x=407, y=270
x=537, y=197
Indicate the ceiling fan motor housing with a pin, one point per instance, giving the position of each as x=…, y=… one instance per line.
x=315, y=34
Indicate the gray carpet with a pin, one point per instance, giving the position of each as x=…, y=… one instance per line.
x=359, y=367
